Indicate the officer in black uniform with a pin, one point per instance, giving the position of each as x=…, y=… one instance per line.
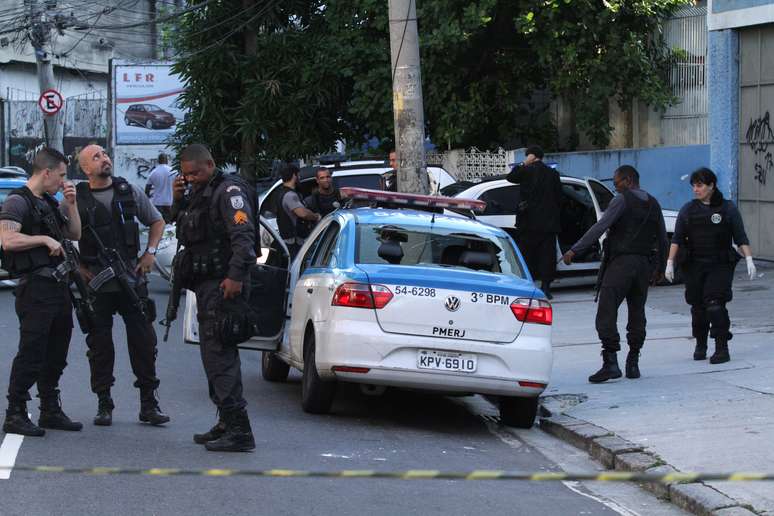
x=31, y=224
x=636, y=232
x=294, y=219
x=701, y=244
x=110, y=207
x=326, y=198
x=216, y=224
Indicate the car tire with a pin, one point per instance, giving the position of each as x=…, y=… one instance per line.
x=127, y=121
x=518, y=412
x=316, y=394
x=149, y=124
x=273, y=369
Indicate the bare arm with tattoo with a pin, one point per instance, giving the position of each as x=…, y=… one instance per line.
x=13, y=240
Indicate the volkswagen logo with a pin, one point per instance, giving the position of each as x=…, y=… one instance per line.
x=452, y=303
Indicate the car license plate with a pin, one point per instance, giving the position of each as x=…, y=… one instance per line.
x=446, y=361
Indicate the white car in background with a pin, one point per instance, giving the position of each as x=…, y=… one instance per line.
x=584, y=201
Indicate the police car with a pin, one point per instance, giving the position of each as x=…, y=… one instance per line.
x=404, y=298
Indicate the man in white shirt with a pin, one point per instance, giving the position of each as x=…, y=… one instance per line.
x=159, y=187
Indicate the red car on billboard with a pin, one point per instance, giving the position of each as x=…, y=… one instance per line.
x=149, y=116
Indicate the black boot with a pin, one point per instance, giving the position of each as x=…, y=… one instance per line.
x=149, y=409
x=52, y=416
x=700, y=351
x=609, y=371
x=212, y=434
x=105, y=408
x=238, y=436
x=721, y=351
x=545, y=286
x=633, y=364
x=17, y=421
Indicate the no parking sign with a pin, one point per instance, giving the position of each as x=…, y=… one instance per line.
x=50, y=102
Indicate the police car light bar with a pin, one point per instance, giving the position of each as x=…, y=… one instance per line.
x=424, y=201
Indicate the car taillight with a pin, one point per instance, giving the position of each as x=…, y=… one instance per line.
x=532, y=311
x=361, y=295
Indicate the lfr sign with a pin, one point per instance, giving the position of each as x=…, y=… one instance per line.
x=50, y=102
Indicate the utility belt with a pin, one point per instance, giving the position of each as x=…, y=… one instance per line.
x=195, y=267
x=685, y=256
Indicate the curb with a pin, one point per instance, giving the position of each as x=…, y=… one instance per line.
x=619, y=454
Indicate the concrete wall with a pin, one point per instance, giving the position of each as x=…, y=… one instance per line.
x=662, y=169
x=134, y=162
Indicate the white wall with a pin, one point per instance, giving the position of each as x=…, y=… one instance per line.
x=134, y=162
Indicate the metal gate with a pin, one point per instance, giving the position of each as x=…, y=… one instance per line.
x=756, y=139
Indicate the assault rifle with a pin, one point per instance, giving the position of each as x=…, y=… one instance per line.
x=174, y=294
x=68, y=272
x=114, y=267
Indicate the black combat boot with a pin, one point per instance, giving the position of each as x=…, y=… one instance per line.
x=721, y=351
x=213, y=433
x=17, y=421
x=609, y=371
x=149, y=409
x=105, y=408
x=633, y=364
x=52, y=416
x=238, y=436
x=700, y=351
x=545, y=286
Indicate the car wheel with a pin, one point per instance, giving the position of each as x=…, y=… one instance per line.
x=316, y=393
x=518, y=412
x=272, y=368
x=149, y=124
x=127, y=121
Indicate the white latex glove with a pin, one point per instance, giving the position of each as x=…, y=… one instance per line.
x=750, y=267
x=669, y=273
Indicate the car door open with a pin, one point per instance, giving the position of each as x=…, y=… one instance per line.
x=268, y=295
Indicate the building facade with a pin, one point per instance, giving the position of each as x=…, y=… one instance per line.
x=741, y=104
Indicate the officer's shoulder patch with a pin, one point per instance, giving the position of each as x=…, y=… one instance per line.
x=233, y=188
x=237, y=202
x=240, y=217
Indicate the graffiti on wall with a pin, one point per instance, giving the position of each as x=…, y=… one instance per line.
x=136, y=167
x=26, y=119
x=22, y=151
x=759, y=137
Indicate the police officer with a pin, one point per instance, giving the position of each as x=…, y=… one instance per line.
x=110, y=208
x=216, y=224
x=636, y=229
x=704, y=231
x=31, y=224
x=326, y=198
x=539, y=208
x=293, y=218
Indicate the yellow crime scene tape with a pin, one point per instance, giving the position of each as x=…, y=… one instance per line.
x=412, y=474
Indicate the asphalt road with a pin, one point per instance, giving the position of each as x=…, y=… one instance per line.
x=395, y=432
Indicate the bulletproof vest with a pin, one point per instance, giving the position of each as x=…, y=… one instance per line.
x=204, y=235
x=289, y=233
x=635, y=232
x=709, y=231
x=36, y=222
x=117, y=228
x=326, y=203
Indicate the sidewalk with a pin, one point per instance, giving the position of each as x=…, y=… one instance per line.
x=690, y=415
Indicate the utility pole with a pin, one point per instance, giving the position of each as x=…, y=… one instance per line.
x=407, y=98
x=40, y=35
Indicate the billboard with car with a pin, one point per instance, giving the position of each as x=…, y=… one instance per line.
x=145, y=102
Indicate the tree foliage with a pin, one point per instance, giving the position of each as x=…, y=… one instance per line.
x=489, y=70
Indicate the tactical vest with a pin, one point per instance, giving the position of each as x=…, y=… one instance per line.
x=290, y=234
x=327, y=203
x=204, y=235
x=709, y=232
x=117, y=228
x=635, y=232
x=35, y=222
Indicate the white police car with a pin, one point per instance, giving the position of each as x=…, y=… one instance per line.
x=411, y=299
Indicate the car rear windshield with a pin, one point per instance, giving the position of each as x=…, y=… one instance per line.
x=426, y=246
